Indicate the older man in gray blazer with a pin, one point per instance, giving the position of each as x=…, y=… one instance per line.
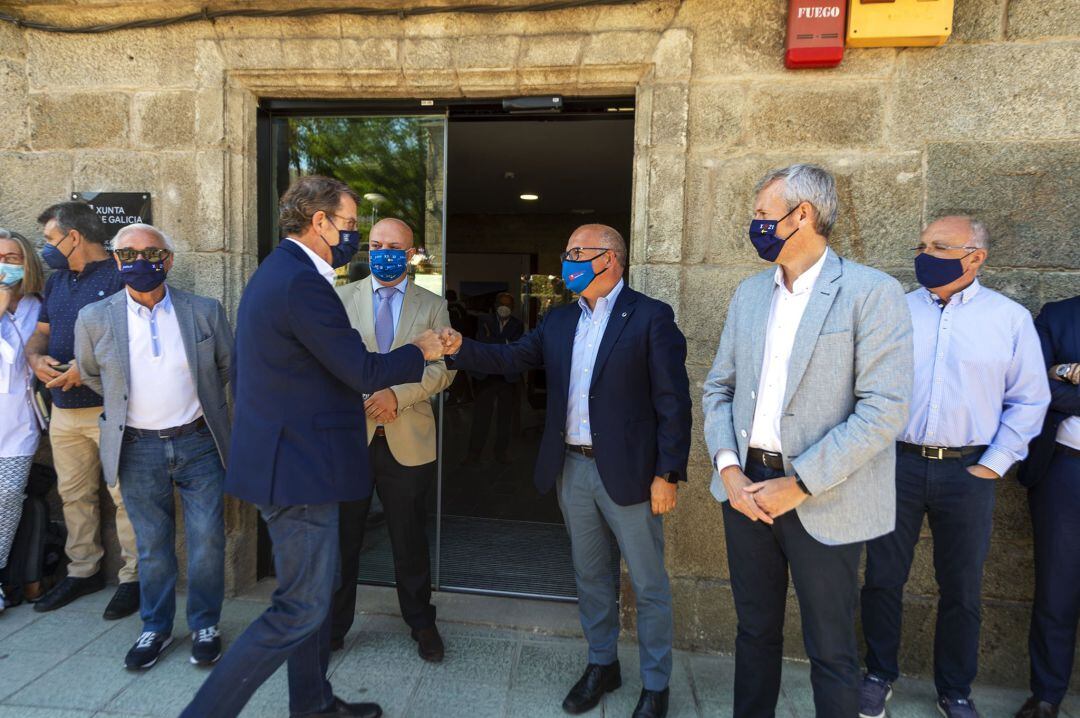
x=806, y=396
x=160, y=358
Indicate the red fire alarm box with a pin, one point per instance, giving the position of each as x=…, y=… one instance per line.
x=815, y=33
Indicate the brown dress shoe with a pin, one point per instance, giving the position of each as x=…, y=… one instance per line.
x=1034, y=708
x=429, y=644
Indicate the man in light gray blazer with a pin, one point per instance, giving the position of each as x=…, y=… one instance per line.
x=160, y=357
x=806, y=396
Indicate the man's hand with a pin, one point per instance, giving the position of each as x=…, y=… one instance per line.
x=451, y=340
x=982, y=472
x=663, y=495
x=43, y=364
x=67, y=380
x=382, y=406
x=743, y=501
x=777, y=496
x=6, y=295
x=430, y=344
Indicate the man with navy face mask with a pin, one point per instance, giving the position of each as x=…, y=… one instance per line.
x=615, y=447
x=980, y=395
x=389, y=310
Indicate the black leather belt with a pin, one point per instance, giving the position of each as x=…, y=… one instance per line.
x=770, y=459
x=937, y=453
x=1061, y=448
x=167, y=433
x=580, y=449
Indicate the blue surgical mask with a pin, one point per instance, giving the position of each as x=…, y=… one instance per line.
x=933, y=272
x=142, y=275
x=54, y=257
x=343, y=252
x=763, y=236
x=10, y=274
x=579, y=275
x=388, y=264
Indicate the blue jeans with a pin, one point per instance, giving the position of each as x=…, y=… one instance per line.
x=960, y=508
x=149, y=469
x=591, y=518
x=296, y=627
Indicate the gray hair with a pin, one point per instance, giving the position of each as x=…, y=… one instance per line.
x=148, y=228
x=807, y=183
x=980, y=237
x=611, y=237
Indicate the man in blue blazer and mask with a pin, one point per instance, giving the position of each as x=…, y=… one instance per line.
x=299, y=445
x=615, y=445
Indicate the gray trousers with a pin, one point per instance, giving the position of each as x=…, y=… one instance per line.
x=591, y=518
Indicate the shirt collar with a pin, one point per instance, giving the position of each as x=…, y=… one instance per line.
x=963, y=297
x=321, y=266
x=165, y=305
x=91, y=267
x=376, y=285
x=806, y=280
x=603, y=304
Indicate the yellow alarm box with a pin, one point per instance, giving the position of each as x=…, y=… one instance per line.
x=899, y=23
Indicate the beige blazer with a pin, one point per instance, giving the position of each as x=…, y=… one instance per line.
x=411, y=436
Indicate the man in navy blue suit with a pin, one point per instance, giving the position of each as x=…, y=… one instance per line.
x=299, y=444
x=1052, y=475
x=615, y=445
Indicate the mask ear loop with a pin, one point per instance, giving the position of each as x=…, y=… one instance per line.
x=785, y=217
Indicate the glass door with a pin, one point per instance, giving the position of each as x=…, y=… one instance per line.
x=396, y=163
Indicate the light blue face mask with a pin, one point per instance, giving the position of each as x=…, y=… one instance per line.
x=10, y=274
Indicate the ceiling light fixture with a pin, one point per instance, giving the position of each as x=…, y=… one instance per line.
x=530, y=197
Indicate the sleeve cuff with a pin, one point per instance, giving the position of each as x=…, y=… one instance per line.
x=997, y=460
x=725, y=458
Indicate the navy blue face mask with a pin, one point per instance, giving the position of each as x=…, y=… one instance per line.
x=933, y=272
x=343, y=252
x=142, y=275
x=763, y=236
x=53, y=256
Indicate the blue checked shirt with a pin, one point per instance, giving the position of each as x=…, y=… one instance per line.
x=980, y=378
x=590, y=330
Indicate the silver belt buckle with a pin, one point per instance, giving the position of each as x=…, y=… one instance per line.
x=939, y=449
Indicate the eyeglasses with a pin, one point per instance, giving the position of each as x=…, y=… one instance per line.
x=575, y=254
x=350, y=223
x=150, y=254
x=940, y=247
x=12, y=258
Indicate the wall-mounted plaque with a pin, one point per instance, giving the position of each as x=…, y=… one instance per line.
x=117, y=209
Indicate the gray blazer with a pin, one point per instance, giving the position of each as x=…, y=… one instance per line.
x=848, y=387
x=101, y=349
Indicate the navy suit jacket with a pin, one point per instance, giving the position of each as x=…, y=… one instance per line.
x=300, y=370
x=1058, y=325
x=639, y=399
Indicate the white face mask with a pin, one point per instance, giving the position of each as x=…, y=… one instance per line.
x=503, y=311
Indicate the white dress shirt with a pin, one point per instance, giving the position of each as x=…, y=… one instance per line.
x=396, y=299
x=1068, y=432
x=321, y=266
x=19, y=432
x=785, y=314
x=162, y=394
x=590, y=332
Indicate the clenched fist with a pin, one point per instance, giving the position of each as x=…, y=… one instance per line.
x=430, y=343
x=451, y=340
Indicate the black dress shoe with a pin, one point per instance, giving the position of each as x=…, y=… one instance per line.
x=429, y=644
x=652, y=704
x=587, y=692
x=341, y=708
x=124, y=602
x=1034, y=708
x=68, y=590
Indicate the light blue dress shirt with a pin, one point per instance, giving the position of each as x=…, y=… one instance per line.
x=980, y=378
x=396, y=299
x=590, y=330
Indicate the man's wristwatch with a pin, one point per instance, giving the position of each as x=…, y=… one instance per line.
x=801, y=485
x=1062, y=370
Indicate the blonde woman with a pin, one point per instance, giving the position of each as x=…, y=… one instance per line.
x=21, y=281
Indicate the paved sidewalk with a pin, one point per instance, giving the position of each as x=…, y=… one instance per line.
x=69, y=664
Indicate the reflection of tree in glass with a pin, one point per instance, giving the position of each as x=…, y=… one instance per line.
x=386, y=155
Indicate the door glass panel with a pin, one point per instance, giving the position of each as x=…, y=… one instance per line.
x=397, y=166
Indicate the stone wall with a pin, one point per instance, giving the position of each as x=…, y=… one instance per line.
x=983, y=125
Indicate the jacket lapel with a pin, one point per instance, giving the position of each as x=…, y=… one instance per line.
x=410, y=307
x=118, y=318
x=185, y=318
x=617, y=320
x=363, y=305
x=760, y=296
x=822, y=297
x=565, y=328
